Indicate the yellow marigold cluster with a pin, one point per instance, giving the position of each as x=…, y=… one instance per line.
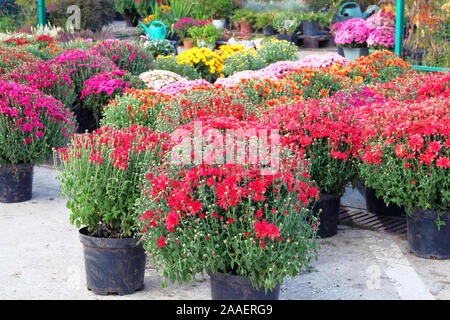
x=149, y=19
x=198, y=56
x=228, y=50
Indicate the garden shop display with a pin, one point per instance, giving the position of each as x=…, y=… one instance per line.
x=228, y=161
x=31, y=124
x=100, y=179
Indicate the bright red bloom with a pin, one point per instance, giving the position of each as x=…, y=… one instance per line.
x=265, y=229
x=443, y=162
x=172, y=220
x=161, y=241
x=416, y=142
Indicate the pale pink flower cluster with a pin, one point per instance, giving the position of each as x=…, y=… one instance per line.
x=382, y=37
x=176, y=88
x=277, y=69
x=352, y=33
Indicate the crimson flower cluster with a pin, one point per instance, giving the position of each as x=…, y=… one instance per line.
x=406, y=156
x=228, y=213
x=101, y=176
x=47, y=77
x=329, y=136
x=127, y=56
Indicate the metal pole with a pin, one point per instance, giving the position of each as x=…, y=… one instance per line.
x=42, y=13
x=399, y=26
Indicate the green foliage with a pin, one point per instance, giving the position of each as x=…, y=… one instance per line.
x=286, y=22
x=207, y=34
x=217, y=9
x=79, y=44
x=169, y=63
x=101, y=185
x=322, y=18
x=263, y=20
x=276, y=50
x=160, y=47
x=239, y=14
x=6, y=24
x=317, y=5
x=127, y=8
x=243, y=60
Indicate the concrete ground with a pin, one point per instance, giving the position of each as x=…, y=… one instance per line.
x=41, y=257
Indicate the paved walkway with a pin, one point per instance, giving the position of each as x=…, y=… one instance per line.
x=41, y=258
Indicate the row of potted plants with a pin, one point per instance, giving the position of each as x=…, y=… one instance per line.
x=244, y=21
x=193, y=212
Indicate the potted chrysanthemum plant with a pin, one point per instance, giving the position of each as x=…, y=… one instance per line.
x=100, y=178
x=406, y=161
x=31, y=124
x=222, y=208
x=352, y=35
x=326, y=133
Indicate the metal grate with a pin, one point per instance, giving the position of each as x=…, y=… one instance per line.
x=362, y=218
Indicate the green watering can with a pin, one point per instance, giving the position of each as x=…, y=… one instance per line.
x=156, y=31
x=352, y=10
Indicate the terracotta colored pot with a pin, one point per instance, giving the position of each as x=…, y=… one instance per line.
x=188, y=44
x=246, y=27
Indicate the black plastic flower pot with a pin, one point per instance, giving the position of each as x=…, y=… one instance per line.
x=269, y=31
x=86, y=119
x=378, y=206
x=16, y=183
x=327, y=209
x=235, y=287
x=113, y=266
x=310, y=28
x=424, y=238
